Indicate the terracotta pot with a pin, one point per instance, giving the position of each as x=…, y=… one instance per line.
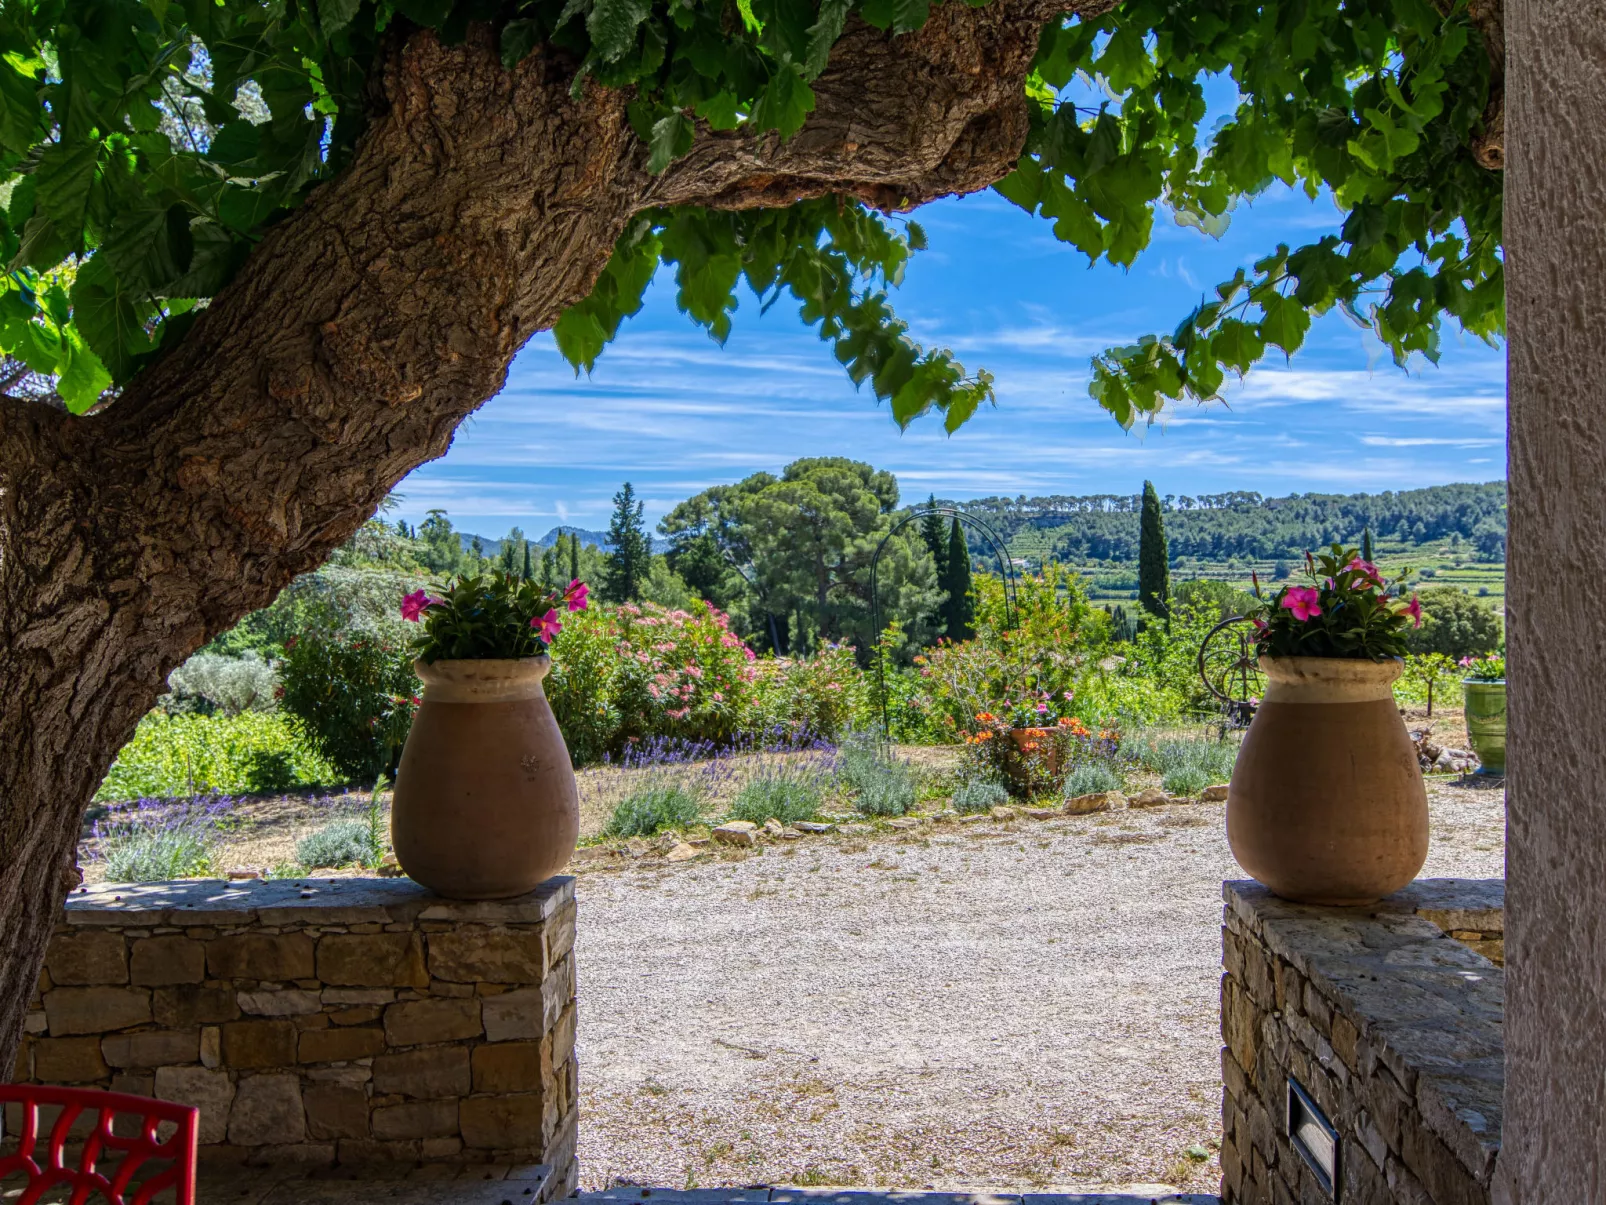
x=1037, y=754
x=485, y=804
x=1326, y=804
x=1486, y=724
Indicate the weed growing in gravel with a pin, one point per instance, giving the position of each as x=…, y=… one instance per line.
x=975, y=795
x=664, y=802
x=1089, y=778
x=884, y=786
x=149, y=841
x=784, y=791
x=343, y=843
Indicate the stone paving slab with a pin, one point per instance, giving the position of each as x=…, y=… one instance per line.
x=852, y=1196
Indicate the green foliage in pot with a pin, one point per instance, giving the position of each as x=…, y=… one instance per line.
x=1346, y=611
x=491, y=616
x=1489, y=668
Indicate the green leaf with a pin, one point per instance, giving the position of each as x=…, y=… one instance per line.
x=108, y=314
x=671, y=138
x=62, y=183
x=916, y=235
x=519, y=38
x=1237, y=345
x=336, y=15
x=21, y=117
x=909, y=15
x=612, y=25
x=83, y=377
x=784, y=104
x=1284, y=324
x=827, y=28
x=720, y=111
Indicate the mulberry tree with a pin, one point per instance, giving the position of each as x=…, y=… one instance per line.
x=264, y=256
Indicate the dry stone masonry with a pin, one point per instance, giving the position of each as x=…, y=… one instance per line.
x=1389, y=1019
x=350, y=1021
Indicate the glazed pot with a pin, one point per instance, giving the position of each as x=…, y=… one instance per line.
x=1326, y=804
x=1486, y=723
x=485, y=805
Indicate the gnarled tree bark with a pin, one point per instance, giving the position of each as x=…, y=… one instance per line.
x=480, y=204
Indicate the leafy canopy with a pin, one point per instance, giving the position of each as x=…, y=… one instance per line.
x=145, y=148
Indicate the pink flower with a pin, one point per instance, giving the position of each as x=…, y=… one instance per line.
x=1367, y=570
x=751, y=656
x=719, y=696
x=547, y=626
x=1303, y=601
x=1414, y=610
x=415, y=604
x=576, y=595
x=1042, y=708
x=1260, y=624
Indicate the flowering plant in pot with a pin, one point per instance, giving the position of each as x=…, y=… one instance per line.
x=485, y=805
x=1029, y=741
x=1483, y=685
x=1326, y=804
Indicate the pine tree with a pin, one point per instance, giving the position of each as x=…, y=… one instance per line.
x=574, y=557
x=627, y=560
x=1154, y=564
x=958, y=611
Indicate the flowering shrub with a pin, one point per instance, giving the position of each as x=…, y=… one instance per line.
x=1347, y=612
x=826, y=695
x=1491, y=667
x=494, y=616
x=352, y=699
x=631, y=673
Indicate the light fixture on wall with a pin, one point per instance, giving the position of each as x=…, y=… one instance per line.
x=1313, y=1136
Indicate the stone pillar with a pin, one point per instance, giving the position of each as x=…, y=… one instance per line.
x=322, y=1021
x=1555, y=1141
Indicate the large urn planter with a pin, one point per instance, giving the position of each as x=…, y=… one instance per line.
x=1486, y=723
x=1327, y=804
x=485, y=804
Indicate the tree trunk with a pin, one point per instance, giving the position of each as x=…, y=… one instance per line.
x=1553, y=1143
x=480, y=204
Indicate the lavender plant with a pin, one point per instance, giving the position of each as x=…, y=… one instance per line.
x=784, y=790
x=152, y=840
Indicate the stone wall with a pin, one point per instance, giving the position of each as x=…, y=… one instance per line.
x=323, y=1020
x=1390, y=1026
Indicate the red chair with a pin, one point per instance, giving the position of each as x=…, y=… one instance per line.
x=116, y=1187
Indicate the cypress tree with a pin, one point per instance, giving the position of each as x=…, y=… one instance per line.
x=1366, y=544
x=1154, y=564
x=547, y=559
x=627, y=560
x=526, y=573
x=958, y=610
x=931, y=533
x=574, y=557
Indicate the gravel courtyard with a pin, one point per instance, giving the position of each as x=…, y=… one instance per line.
x=1015, y=1005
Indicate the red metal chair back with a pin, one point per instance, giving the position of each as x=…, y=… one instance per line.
x=116, y=1187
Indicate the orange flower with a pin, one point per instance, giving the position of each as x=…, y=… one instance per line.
x=986, y=717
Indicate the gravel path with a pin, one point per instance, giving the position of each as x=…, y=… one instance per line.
x=1015, y=1006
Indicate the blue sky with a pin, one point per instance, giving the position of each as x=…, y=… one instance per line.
x=674, y=413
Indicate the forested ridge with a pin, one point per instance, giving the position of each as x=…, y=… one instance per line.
x=1243, y=524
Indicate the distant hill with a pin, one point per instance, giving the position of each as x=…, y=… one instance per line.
x=599, y=538
x=1246, y=526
